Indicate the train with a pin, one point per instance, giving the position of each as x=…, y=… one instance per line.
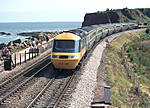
x=143, y=25
x=69, y=47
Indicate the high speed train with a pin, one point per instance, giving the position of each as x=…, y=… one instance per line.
x=69, y=47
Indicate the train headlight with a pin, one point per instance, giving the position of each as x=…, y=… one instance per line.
x=73, y=57
x=55, y=56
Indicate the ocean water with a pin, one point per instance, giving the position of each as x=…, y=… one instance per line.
x=15, y=28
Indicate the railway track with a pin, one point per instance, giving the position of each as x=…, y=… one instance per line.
x=57, y=91
x=30, y=65
x=32, y=78
x=10, y=84
x=24, y=71
x=52, y=94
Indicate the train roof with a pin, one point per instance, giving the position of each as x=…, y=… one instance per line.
x=67, y=36
x=79, y=32
x=89, y=28
x=82, y=32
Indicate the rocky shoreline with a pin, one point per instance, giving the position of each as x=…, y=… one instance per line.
x=34, y=37
x=34, y=34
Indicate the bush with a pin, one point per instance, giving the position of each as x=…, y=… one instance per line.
x=148, y=31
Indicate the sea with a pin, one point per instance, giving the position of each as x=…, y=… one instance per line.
x=20, y=27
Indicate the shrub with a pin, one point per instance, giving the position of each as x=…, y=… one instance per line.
x=148, y=31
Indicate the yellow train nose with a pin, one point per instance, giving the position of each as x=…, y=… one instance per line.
x=65, y=63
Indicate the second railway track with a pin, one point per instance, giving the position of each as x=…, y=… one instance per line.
x=16, y=92
x=8, y=85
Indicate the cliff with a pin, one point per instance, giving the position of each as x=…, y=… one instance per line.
x=140, y=15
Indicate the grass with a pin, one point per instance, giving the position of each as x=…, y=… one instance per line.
x=123, y=89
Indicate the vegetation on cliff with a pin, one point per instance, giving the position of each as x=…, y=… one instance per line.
x=115, y=16
x=130, y=79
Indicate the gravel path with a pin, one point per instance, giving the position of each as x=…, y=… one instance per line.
x=91, y=84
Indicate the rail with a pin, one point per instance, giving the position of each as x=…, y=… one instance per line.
x=15, y=89
x=24, y=71
x=42, y=91
x=64, y=90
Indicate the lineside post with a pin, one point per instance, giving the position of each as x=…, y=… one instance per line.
x=25, y=57
x=15, y=60
x=29, y=54
x=20, y=58
x=32, y=53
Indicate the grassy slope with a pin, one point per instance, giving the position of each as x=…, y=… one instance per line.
x=122, y=88
x=133, y=13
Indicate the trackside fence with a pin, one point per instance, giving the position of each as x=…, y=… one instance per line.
x=25, y=55
x=30, y=53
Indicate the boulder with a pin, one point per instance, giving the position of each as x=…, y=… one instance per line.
x=29, y=42
x=17, y=41
x=10, y=43
x=2, y=45
x=3, y=33
x=20, y=46
x=11, y=48
x=31, y=34
x=25, y=44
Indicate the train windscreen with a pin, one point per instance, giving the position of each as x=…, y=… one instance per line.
x=65, y=46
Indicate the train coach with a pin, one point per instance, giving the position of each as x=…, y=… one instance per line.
x=70, y=46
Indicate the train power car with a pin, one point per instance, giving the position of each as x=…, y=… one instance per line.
x=68, y=49
x=70, y=46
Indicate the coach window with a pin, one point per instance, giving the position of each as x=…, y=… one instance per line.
x=84, y=41
x=79, y=45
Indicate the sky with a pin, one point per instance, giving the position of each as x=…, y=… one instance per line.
x=59, y=10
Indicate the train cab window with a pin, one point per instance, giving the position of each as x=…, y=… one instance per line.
x=71, y=46
x=63, y=44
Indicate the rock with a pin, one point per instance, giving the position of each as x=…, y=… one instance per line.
x=32, y=34
x=29, y=42
x=8, y=33
x=25, y=44
x=2, y=45
x=11, y=48
x=28, y=38
x=41, y=34
x=10, y=43
x=20, y=46
x=4, y=33
x=17, y=41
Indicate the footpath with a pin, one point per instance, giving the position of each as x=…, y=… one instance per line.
x=26, y=55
